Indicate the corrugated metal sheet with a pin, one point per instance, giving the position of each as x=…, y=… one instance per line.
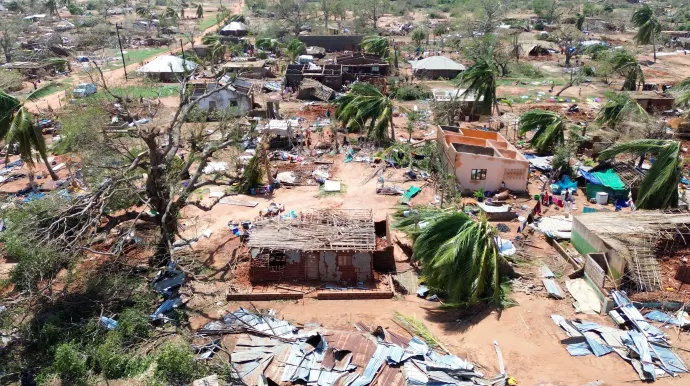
x=671, y=363
x=578, y=349
x=553, y=288
x=546, y=272
x=373, y=366
x=415, y=373
x=642, y=348
x=598, y=346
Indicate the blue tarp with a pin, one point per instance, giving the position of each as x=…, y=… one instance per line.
x=590, y=177
x=564, y=184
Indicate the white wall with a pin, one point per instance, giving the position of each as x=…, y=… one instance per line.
x=223, y=100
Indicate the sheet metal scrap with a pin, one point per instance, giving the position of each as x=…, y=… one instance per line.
x=644, y=347
x=337, y=358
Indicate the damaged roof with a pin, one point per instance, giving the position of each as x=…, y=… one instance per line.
x=322, y=230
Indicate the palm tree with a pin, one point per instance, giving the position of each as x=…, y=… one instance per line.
x=659, y=188
x=170, y=13
x=618, y=109
x=17, y=127
x=648, y=27
x=199, y=11
x=479, y=81
x=218, y=49
x=627, y=65
x=366, y=106
x=143, y=12
x=580, y=21
x=682, y=93
x=267, y=44
x=294, y=49
x=377, y=45
x=548, y=126
x=459, y=255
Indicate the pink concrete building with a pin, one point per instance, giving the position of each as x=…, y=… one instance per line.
x=482, y=159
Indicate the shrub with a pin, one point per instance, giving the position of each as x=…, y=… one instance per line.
x=92, y=5
x=70, y=365
x=176, y=365
x=411, y=92
x=11, y=80
x=525, y=70
x=112, y=360
x=75, y=10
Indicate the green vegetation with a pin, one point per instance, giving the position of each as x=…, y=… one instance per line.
x=549, y=129
x=366, y=107
x=458, y=254
x=659, y=188
x=17, y=127
x=648, y=27
x=410, y=92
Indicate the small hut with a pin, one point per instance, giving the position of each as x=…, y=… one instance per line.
x=167, y=68
x=235, y=28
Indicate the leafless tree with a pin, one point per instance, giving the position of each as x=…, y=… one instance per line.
x=151, y=169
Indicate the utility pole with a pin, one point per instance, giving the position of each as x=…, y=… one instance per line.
x=122, y=55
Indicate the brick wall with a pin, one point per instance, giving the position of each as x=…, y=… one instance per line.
x=261, y=271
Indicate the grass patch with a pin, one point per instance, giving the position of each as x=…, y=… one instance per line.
x=324, y=193
x=142, y=91
x=207, y=22
x=137, y=56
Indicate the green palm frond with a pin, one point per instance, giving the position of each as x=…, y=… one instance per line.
x=629, y=67
x=365, y=106
x=548, y=126
x=659, y=188
x=647, y=25
x=377, y=45
x=681, y=92
x=26, y=135
x=480, y=81
x=41, y=92
x=459, y=256
x=618, y=109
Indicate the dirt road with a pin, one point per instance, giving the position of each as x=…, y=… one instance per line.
x=116, y=78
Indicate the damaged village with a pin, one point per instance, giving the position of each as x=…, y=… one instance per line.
x=344, y=192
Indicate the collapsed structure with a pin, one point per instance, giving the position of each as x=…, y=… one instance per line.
x=270, y=351
x=623, y=247
x=327, y=245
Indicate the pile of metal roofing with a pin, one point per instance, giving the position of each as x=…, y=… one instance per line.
x=273, y=350
x=641, y=343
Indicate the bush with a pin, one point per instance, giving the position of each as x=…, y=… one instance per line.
x=112, y=360
x=81, y=130
x=74, y=10
x=92, y=5
x=524, y=70
x=539, y=26
x=70, y=365
x=11, y=80
x=176, y=365
x=411, y=92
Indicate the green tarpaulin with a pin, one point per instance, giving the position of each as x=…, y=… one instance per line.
x=610, y=179
x=409, y=193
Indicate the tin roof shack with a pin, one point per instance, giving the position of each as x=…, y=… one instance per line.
x=361, y=66
x=333, y=43
x=653, y=101
x=167, y=68
x=236, y=29
x=248, y=69
x=482, y=159
x=326, y=245
x=435, y=67
x=631, y=243
x=464, y=109
x=239, y=95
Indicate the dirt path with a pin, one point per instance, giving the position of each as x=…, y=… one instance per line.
x=116, y=77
